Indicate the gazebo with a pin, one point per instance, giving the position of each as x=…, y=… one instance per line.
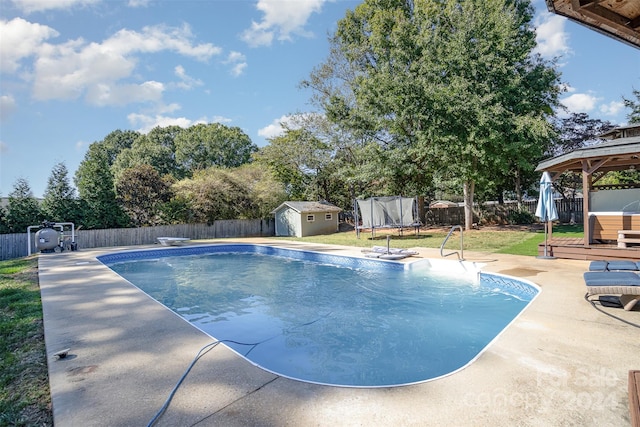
x=619, y=19
x=608, y=211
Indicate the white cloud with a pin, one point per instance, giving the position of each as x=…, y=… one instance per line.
x=257, y=36
x=612, y=108
x=551, y=36
x=146, y=122
x=81, y=146
x=170, y=108
x=7, y=106
x=580, y=102
x=4, y=148
x=97, y=70
x=186, y=82
x=138, y=3
x=21, y=39
x=238, y=63
x=238, y=69
x=275, y=128
x=159, y=38
x=235, y=57
x=220, y=119
x=179, y=71
x=29, y=6
x=281, y=19
x=105, y=94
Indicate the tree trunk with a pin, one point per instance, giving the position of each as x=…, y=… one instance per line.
x=468, y=189
x=518, y=190
x=421, y=210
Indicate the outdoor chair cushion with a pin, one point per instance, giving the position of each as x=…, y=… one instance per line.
x=615, y=265
x=622, y=265
x=598, y=266
x=611, y=278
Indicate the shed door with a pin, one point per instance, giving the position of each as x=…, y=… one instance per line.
x=286, y=223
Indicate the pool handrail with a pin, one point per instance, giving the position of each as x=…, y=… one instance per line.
x=461, y=254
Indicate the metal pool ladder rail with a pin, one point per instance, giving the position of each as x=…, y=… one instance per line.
x=461, y=254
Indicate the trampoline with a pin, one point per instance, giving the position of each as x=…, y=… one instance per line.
x=386, y=212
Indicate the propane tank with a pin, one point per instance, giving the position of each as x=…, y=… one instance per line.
x=47, y=239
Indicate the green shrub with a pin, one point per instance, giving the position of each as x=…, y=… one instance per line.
x=521, y=217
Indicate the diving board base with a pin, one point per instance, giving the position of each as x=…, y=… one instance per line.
x=173, y=241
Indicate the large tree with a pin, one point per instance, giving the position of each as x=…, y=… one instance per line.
x=572, y=132
x=4, y=227
x=365, y=159
x=23, y=209
x=116, y=141
x=95, y=181
x=157, y=149
x=263, y=191
x=60, y=203
x=141, y=192
x=576, y=131
x=212, y=145
x=246, y=192
x=318, y=160
x=297, y=158
x=634, y=106
x=97, y=192
x=450, y=83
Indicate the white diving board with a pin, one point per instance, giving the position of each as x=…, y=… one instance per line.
x=173, y=241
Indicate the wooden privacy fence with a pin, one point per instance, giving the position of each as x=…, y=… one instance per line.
x=15, y=245
x=568, y=210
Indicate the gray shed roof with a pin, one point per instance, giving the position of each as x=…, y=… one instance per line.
x=616, y=154
x=309, y=207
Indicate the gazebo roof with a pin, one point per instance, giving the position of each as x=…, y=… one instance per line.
x=616, y=154
x=619, y=19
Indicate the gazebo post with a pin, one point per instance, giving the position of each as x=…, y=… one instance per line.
x=586, y=189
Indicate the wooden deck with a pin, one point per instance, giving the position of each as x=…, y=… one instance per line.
x=574, y=248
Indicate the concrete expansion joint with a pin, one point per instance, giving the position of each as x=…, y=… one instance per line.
x=240, y=399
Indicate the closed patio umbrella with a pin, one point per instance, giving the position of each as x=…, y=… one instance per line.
x=546, y=209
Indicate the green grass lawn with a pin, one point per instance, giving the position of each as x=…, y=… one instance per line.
x=506, y=240
x=25, y=399
x=529, y=245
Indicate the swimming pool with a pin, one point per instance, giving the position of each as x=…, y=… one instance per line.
x=330, y=319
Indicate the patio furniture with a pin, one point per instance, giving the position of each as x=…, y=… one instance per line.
x=623, y=283
x=628, y=236
x=614, y=265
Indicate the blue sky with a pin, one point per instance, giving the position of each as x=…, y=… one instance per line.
x=71, y=71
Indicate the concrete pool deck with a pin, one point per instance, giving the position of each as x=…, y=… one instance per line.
x=560, y=363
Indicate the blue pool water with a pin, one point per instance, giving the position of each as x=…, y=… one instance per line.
x=329, y=319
